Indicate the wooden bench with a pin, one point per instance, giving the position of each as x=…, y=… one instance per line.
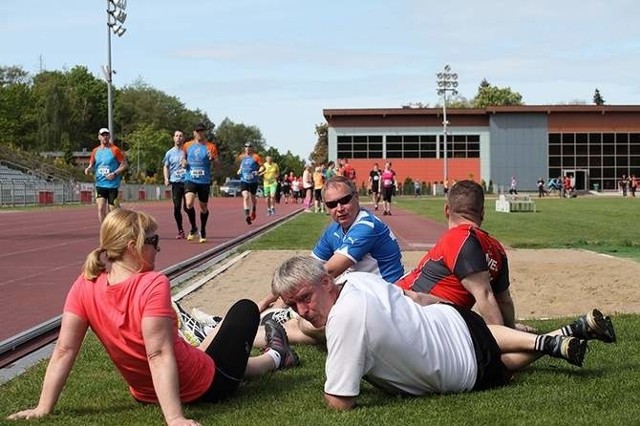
x=515, y=203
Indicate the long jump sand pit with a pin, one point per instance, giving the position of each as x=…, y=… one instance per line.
x=544, y=283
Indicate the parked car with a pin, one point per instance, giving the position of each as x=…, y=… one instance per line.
x=231, y=188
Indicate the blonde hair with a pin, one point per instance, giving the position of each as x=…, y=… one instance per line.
x=295, y=271
x=118, y=229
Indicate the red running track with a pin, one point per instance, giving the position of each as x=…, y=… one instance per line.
x=42, y=251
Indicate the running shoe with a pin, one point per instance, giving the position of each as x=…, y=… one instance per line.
x=203, y=238
x=188, y=327
x=594, y=325
x=205, y=319
x=248, y=219
x=253, y=215
x=192, y=235
x=277, y=340
x=570, y=349
x=180, y=235
x=279, y=315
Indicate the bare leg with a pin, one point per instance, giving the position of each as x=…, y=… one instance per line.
x=518, y=347
x=259, y=365
x=102, y=208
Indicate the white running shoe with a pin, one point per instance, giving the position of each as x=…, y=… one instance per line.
x=279, y=315
x=188, y=327
x=205, y=319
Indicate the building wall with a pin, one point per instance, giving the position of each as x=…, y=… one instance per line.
x=518, y=147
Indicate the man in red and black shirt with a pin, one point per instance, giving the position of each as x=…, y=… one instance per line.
x=466, y=266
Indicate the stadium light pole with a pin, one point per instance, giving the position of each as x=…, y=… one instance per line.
x=447, y=82
x=115, y=19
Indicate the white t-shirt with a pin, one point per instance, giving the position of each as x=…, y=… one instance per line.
x=377, y=333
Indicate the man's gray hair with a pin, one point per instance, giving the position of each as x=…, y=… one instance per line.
x=295, y=271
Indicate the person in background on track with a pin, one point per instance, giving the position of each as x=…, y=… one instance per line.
x=389, y=185
x=374, y=185
x=307, y=188
x=318, y=184
x=199, y=157
x=109, y=164
x=270, y=173
x=174, y=174
x=250, y=164
x=128, y=306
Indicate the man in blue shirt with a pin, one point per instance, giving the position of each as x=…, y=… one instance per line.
x=174, y=174
x=250, y=163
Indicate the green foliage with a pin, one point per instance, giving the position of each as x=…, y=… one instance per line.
x=320, y=154
x=489, y=95
x=597, y=98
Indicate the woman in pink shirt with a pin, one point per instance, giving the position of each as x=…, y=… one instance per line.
x=128, y=307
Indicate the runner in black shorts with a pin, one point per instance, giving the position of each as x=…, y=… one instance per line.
x=109, y=194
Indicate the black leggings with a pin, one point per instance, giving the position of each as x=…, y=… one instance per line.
x=230, y=349
x=177, y=195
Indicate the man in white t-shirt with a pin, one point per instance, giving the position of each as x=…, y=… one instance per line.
x=375, y=332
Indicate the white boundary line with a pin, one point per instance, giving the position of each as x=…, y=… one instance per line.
x=202, y=281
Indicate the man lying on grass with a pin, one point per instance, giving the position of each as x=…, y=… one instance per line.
x=376, y=332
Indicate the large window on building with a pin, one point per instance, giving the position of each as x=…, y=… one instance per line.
x=606, y=156
x=408, y=146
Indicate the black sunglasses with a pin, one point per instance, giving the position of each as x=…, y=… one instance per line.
x=153, y=241
x=342, y=201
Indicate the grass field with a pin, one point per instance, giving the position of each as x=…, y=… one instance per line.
x=604, y=391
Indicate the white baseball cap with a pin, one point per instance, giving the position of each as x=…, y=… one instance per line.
x=103, y=131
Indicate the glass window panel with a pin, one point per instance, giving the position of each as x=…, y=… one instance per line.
x=634, y=138
x=360, y=139
x=554, y=149
x=595, y=138
x=622, y=161
x=428, y=154
x=608, y=138
x=375, y=146
x=360, y=154
x=411, y=146
x=582, y=149
x=344, y=154
x=581, y=138
x=411, y=154
x=568, y=139
x=394, y=154
x=460, y=147
x=473, y=146
x=344, y=139
x=394, y=139
x=608, y=172
x=554, y=172
x=375, y=154
x=609, y=161
x=622, y=138
x=634, y=149
x=428, y=138
x=595, y=172
x=608, y=149
x=568, y=161
x=394, y=146
x=595, y=161
x=568, y=150
x=360, y=147
x=582, y=161
x=375, y=139
x=459, y=138
x=473, y=154
x=554, y=138
x=595, y=150
x=428, y=146
x=473, y=138
x=412, y=138
x=622, y=149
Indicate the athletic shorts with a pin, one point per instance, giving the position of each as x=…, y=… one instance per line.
x=109, y=194
x=230, y=350
x=203, y=190
x=387, y=193
x=492, y=372
x=271, y=189
x=317, y=193
x=251, y=187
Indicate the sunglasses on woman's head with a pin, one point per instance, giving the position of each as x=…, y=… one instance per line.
x=342, y=201
x=153, y=241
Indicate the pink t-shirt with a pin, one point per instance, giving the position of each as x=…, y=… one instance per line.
x=388, y=177
x=115, y=312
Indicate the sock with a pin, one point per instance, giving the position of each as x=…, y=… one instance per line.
x=246, y=212
x=203, y=223
x=549, y=345
x=275, y=356
x=191, y=214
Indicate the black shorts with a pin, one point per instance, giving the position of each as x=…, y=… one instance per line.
x=251, y=187
x=230, y=350
x=202, y=189
x=387, y=193
x=317, y=193
x=492, y=372
x=109, y=194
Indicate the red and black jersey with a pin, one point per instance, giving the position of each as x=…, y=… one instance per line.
x=463, y=250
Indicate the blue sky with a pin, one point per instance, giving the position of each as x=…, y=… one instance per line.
x=277, y=64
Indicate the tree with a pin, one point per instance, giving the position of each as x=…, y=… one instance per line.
x=597, y=98
x=147, y=147
x=320, y=154
x=489, y=95
x=13, y=75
